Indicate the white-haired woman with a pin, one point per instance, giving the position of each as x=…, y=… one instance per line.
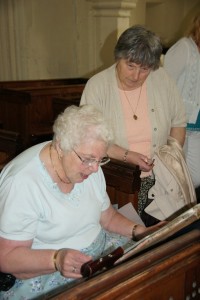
x=54, y=210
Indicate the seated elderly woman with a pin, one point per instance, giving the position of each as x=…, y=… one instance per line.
x=54, y=210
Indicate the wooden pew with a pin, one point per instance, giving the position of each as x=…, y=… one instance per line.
x=29, y=110
x=59, y=104
x=41, y=82
x=168, y=271
x=122, y=182
x=10, y=146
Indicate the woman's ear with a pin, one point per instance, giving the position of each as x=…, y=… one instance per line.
x=59, y=150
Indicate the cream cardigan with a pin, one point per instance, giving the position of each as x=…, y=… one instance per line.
x=165, y=106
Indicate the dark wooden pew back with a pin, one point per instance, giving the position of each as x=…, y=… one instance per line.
x=10, y=146
x=123, y=182
x=29, y=110
x=59, y=104
x=41, y=82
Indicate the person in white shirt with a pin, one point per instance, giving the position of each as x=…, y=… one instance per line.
x=55, y=213
x=182, y=62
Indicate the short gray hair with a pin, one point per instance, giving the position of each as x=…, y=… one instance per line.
x=139, y=45
x=77, y=125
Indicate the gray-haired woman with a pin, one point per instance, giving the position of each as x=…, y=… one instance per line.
x=54, y=210
x=141, y=102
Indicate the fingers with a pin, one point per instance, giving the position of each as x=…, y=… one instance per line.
x=146, y=164
x=71, y=262
x=151, y=162
x=72, y=272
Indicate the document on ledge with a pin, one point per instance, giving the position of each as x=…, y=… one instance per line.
x=184, y=219
x=122, y=253
x=129, y=212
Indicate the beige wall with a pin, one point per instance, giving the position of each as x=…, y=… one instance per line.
x=169, y=19
x=43, y=38
x=75, y=38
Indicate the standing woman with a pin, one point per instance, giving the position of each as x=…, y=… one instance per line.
x=182, y=62
x=141, y=102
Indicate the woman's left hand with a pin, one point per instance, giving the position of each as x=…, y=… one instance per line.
x=142, y=231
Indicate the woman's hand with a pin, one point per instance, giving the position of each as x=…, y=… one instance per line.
x=145, y=164
x=69, y=262
x=142, y=231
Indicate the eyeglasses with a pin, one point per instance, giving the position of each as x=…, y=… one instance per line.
x=89, y=162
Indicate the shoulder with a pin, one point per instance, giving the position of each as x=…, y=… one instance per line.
x=159, y=76
x=23, y=164
x=104, y=76
x=183, y=41
x=180, y=48
x=99, y=87
x=159, y=82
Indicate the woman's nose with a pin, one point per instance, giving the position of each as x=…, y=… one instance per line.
x=136, y=74
x=94, y=167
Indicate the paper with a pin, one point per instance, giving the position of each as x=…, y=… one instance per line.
x=130, y=213
x=186, y=218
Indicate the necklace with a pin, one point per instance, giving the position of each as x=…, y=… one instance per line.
x=50, y=155
x=135, y=117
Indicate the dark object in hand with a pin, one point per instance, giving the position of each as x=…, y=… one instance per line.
x=6, y=281
x=106, y=262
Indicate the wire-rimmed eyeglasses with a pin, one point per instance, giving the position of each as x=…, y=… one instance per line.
x=89, y=162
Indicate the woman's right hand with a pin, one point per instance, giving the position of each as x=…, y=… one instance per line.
x=69, y=262
x=145, y=164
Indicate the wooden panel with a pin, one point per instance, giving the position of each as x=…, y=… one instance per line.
x=10, y=146
x=167, y=272
x=41, y=82
x=59, y=104
x=123, y=182
x=29, y=110
x=15, y=113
